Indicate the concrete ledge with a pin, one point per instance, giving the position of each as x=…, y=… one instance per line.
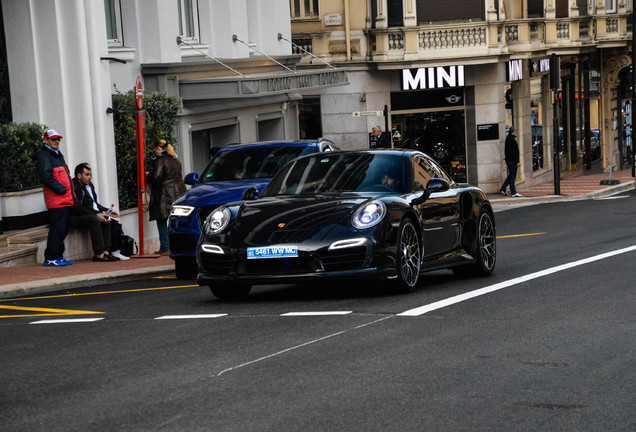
x=18, y=255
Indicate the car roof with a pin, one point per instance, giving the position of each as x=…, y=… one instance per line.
x=279, y=143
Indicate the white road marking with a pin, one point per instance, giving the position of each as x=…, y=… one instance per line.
x=483, y=291
x=611, y=197
x=324, y=313
x=168, y=317
x=62, y=321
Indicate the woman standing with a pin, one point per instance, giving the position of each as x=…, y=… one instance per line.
x=166, y=185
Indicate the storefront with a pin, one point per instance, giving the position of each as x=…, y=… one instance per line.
x=429, y=115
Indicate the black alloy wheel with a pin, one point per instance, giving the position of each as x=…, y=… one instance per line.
x=408, y=257
x=485, y=248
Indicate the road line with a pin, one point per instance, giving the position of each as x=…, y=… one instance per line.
x=520, y=235
x=44, y=312
x=63, y=321
x=200, y=316
x=324, y=313
x=483, y=291
x=97, y=293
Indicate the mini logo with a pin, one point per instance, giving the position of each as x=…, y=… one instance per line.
x=281, y=225
x=453, y=99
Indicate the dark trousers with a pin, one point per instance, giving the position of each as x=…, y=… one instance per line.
x=164, y=240
x=100, y=232
x=510, y=180
x=58, y=228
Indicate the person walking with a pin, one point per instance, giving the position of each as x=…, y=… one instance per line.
x=511, y=156
x=166, y=185
x=89, y=214
x=59, y=197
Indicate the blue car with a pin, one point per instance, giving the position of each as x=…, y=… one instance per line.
x=231, y=171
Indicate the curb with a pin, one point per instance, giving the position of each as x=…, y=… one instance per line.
x=46, y=285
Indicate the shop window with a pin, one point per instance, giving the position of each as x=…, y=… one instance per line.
x=449, y=10
x=270, y=127
x=537, y=121
x=189, y=19
x=114, y=33
x=305, y=9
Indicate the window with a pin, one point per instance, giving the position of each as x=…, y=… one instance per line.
x=114, y=33
x=305, y=9
x=610, y=6
x=188, y=19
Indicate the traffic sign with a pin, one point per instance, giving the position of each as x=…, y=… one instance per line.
x=367, y=113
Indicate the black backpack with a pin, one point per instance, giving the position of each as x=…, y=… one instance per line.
x=120, y=241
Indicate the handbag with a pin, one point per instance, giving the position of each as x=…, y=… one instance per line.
x=127, y=245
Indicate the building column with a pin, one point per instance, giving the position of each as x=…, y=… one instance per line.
x=610, y=68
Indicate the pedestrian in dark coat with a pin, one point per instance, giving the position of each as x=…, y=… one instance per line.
x=511, y=156
x=166, y=185
x=59, y=197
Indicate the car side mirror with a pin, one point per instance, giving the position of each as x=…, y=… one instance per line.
x=191, y=178
x=437, y=185
x=250, y=194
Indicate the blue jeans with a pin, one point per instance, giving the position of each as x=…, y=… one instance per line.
x=510, y=180
x=162, y=227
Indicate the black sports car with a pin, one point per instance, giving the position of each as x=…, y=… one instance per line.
x=387, y=214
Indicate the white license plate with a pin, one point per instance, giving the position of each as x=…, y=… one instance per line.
x=272, y=252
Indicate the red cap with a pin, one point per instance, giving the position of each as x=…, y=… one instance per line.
x=51, y=133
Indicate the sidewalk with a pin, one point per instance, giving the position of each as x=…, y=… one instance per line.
x=26, y=280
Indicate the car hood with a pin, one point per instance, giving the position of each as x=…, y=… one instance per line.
x=289, y=220
x=202, y=194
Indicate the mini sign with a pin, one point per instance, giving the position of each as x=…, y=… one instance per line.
x=432, y=78
x=334, y=19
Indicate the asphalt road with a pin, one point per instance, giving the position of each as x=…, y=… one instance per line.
x=544, y=344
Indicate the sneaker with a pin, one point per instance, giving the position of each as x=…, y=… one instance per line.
x=118, y=254
x=517, y=195
x=54, y=263
x=65, y=261
x=504, y=193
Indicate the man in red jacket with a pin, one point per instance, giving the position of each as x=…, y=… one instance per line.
x=59, y=197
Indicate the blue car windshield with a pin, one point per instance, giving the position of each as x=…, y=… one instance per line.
x=251, y=162
x=342, y=172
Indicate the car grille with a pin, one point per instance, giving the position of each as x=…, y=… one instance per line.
x=204, y=212
x=183, y=243
x=278, y=266
x=216, y=264
x=344, y=259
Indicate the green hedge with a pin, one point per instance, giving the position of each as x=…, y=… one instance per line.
x=161, y=114
x=20, y=144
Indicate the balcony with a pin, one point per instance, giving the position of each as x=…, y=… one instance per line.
x=477, y=41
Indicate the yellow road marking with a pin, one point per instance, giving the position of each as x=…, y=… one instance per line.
x=98, y=293
x=47, y=312
x=520, y=235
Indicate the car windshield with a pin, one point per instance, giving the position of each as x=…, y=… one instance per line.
x=342, y=172
x=251, y=162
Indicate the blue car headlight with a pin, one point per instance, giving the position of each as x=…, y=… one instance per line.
x=369, y=215
x=217, y=221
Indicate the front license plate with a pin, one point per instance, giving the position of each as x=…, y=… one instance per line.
x=272, y=252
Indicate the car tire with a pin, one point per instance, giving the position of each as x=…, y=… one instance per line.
x=230, y=292
x=485, y=248
x=186, y=268
x=408, y=257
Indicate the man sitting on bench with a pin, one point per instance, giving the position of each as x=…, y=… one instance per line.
x=89, y=214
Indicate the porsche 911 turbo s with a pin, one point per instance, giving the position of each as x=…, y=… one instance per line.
x=382, y=214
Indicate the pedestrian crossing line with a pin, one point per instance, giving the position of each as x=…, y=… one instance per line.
x=199, y=316
x=67, y=321
x=44, y=312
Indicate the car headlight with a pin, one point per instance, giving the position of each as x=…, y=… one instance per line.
x=369, y=215
x=217, y=221
x=181, y=210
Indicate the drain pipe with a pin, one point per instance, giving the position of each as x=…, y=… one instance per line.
x=347, y=30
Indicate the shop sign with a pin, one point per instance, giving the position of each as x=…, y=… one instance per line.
x=487, y=132
x=514, y=70
x=433, y=78
x=540, y=66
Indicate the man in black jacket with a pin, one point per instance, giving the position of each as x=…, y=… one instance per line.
x=511, y=153
x=89, y=214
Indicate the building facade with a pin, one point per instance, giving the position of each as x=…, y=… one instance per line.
x=230, y=61
x=451, y=76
